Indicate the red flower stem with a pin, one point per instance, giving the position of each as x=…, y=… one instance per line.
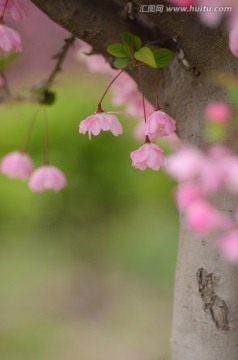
x=4, y=9
x=29, y=132
x=46, y=141
x=143, y=97
x=157, y=106
x=105, y=92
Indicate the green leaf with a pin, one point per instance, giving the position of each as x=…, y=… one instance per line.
x=119, y=50
x=163, y=57
x=145, y=54
x=131, y=40
x=6, y=60
x=120, y=63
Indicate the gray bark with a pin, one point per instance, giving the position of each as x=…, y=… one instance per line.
x=205, y=325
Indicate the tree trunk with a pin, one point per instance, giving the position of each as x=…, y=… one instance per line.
x=205, y=322
x=205, y=325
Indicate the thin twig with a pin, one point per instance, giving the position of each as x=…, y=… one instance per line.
x=5, y=85
x=60, y=59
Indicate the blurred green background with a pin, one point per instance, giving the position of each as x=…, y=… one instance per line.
x=86, y=273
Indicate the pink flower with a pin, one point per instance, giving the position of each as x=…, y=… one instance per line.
x=213, y=172
x=159, y=124
x=95, y=63
x=148, y=156
x=218, y=152
x=17, y=165
x=230, y=168
x=233, y=41
x=203, y=217
x=93, y=124
x=9, y=39
x=183, y=2
x=186, y=194
x=47, y=177
x=229, y=246
x=16, y=8
x=218, y=112
x=185, y=164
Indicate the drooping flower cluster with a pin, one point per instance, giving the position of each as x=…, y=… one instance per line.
x=18, y=165
x=124, y=92
x=9, y=38
x=211, y=13
x=158, y=124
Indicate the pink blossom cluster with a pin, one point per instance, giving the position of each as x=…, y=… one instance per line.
x=149, y=155
x=20, y=166
x=201, y=176
x=9, y=38
x=124, y=91
x=213, y=18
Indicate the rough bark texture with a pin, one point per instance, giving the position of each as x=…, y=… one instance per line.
x=205, y=306
x=205, y=325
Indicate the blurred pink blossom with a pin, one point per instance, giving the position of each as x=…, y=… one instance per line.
x=9, y=39
x=148, y=156
x=17, y=165
x=93, y=124
x=47, y=177
x=202, y=217
x=95, y=63
x=159, y=124
x=218, y=112
x=19, y=10
x=233, y=41
x=230, y=166
x=186, y=194
x=228, y=245
x=183, y=2
x=185, y=164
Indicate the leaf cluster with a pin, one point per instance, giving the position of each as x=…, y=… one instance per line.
x=130, y=51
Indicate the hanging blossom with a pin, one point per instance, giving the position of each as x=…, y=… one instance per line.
x=47, y=177
x=17, y=165
x=124, y=92
x=100, y=121
x=159, y=124
x=9, y=39
x=148, y=156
